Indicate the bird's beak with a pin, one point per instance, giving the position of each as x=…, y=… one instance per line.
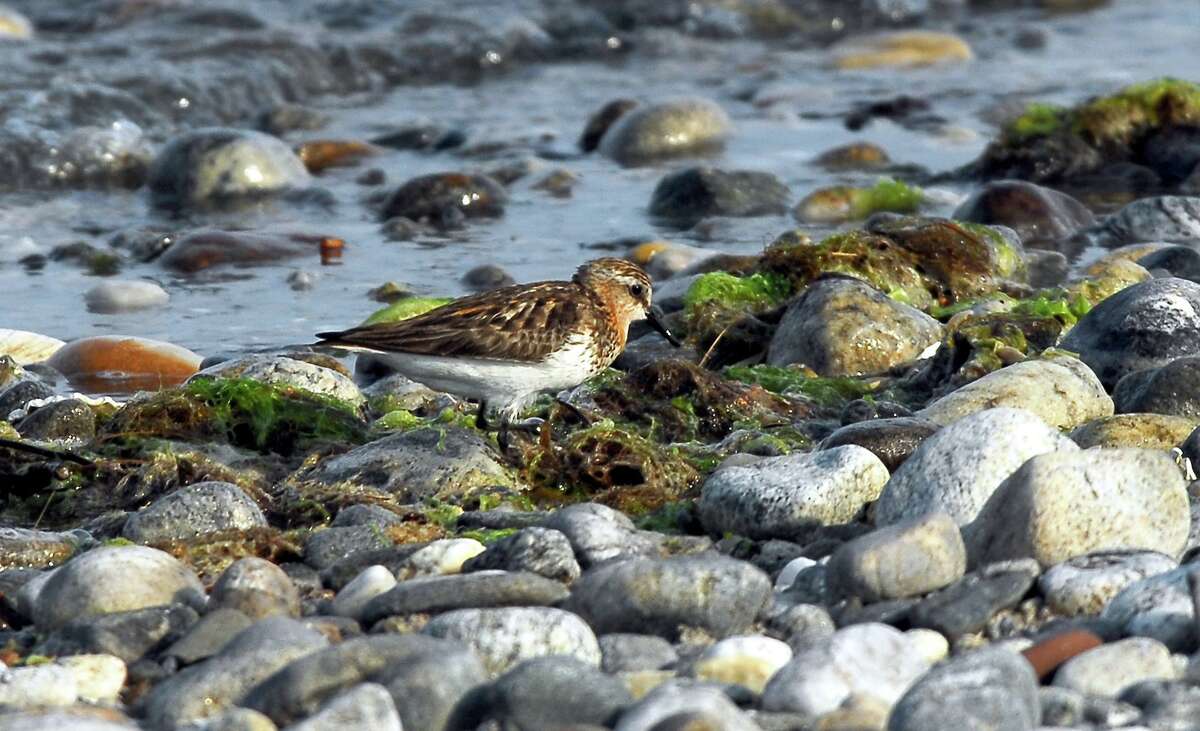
x=654, y=316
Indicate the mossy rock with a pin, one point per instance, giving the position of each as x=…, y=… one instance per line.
x=1050, y=143
x=839, y=203
x=831, y=393
x=678, y=401
x=873, y=258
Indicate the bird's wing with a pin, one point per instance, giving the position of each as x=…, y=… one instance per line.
x=525, y=323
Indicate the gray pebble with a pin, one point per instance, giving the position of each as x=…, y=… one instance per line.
x=203, y=507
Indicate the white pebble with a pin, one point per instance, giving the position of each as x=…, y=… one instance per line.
x=370, y=583
x=125, y=295
x=749, y=661
x=98, y=678
x=442, y=557
x=38, y=685
x=931, y=645
x=788, y=575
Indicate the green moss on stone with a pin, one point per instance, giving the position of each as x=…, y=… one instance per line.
x=406, y=308
x=1039, y=120
x=268, y=416
x=755, y=293
x=887, y=195
x=398, y=420
x=825, y=391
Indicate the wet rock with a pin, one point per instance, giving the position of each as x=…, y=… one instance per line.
x=125, y=295
x=748, y=661
x=114, y=363
x=318, y=155
x=366, y=706
x=686, y=196
x=353, y=597
x=1144, y=326
x=855, y=156
x=1147, y=431
x=720, y=595
x=780, y=497
x=1061, y=390
x=676, y=128
x=1109, y=669
x=899, y=49
x=215, y=165
x=967, y=605
x=208, y=248
x=844, y=327
x=416, y=465
x=991, y=688
x=115, y=579
x=225, y=680
x=623, y=652
x=70, y=419
x=1169, y=389
x=257, y=588
x=505, y=636
x=487, y=276
x=1178, y=261
x=203, y=507
x=908, y=558
x=957, y=469
x=26, y=347
x=443, y=198
x=542, y=551
x=1085, y=584
x=1040, y=216
x=19, y=394
x=554, y=692
x=127, y=635
x=599, y=533
x=601, y=120
x=1058, y=506
x=840, y=203
x=892, y=440
x=290, y=373
x=298, y=689
x=480, y=589
x=872, y=660
x=1166, y=218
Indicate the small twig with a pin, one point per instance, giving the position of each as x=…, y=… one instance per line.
x=44, y=452
x=707, y=353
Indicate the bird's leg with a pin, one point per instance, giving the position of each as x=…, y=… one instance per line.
x=585, y=418
x=481, y=420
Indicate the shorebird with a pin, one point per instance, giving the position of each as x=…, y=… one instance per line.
x=504, y=347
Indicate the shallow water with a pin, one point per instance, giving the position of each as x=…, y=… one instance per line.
x=510, y=115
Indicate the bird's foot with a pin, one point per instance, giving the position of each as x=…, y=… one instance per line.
x=533, y=426
x=583, y=416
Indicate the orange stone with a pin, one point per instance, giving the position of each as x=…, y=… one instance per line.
x=320, y=154
x=1047, y=655
x=120, y=364
x=331, y=250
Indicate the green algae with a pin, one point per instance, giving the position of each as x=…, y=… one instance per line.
x=406, y=308
x=275, y=418
x=757, y=292
x=1066, y=308
x=487, y=536
x=1114, y=119
x=829, y=392
x=886, y=195
x=398, y=420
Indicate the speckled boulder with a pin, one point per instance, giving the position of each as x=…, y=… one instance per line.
x=214, y=164
x=280, y=370
x=1148, y=431
x=780, y=497
x=957, y=469
x=845, y=327
x=1143, y=326
x=1062, y=391
x=115, y=579
x=203, y=507
x=505, y=636
x=721, y=595
x=673, y=128
x=1058, y=506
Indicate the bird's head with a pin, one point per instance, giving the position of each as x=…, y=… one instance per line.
x=626, y=288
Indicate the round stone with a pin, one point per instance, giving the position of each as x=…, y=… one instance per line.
x=200, y=508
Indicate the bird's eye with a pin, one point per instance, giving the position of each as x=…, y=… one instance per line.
x=636, y=290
